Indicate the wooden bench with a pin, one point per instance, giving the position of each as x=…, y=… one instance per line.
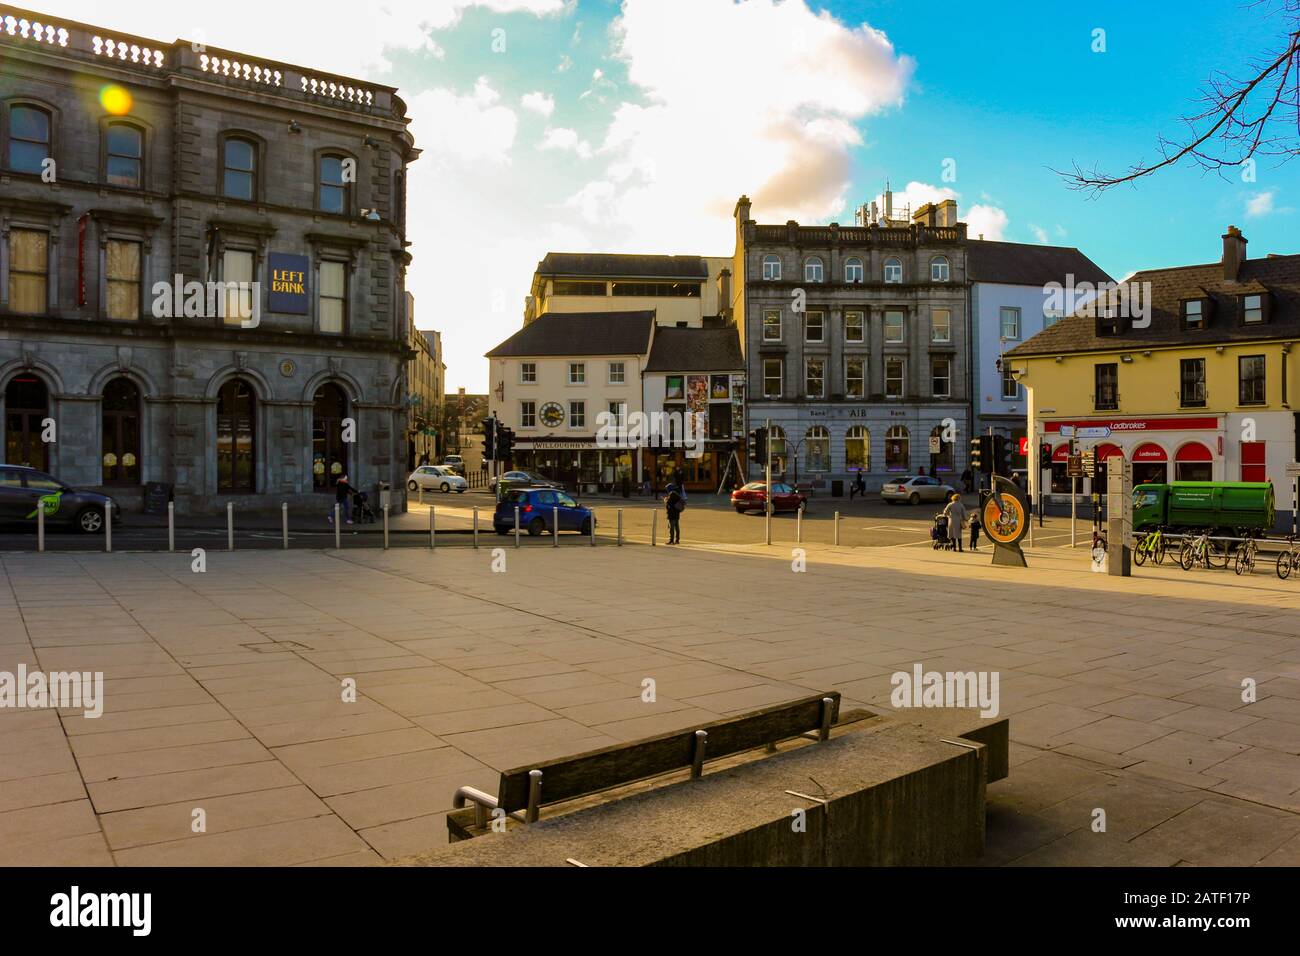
x=525, y=790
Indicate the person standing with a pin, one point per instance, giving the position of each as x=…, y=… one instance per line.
x=974, y=530
x=968, y=481
x=956, y=515
x=674, y=503
x=343, y=492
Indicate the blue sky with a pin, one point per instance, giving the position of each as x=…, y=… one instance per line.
x=633, y=126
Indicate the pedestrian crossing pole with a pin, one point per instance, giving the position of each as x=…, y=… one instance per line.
x=767, y=477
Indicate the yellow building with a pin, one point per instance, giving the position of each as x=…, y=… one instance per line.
x=1184, y=371
x=681, y=290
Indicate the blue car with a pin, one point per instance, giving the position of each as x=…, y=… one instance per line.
x=537, y=511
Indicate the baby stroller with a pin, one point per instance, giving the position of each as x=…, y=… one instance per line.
x=362, y=513
x=939, y=533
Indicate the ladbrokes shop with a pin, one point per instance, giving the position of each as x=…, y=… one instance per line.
x=1176, y=448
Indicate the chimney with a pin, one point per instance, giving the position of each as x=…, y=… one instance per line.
x=1234, y=253
x=948, y=213
x=889, y=201
x=724, y=292
x=742, y=210
x=925, y=216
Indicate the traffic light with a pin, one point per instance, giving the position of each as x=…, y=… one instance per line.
x=1003, y=449
x=981, y=454
x=489, y=439
x=976, y=463
x=505, y=442
x=758, y=446
x=1044, y=455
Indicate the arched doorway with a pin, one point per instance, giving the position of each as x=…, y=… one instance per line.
x=329, y=453
x=236, y=434
x=120, y=439
x=898, y=449
x=27, y=405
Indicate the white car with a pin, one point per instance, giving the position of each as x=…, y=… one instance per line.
x=440, y=477
x=916, y=489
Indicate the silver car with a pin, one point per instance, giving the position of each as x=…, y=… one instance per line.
x=916, y=489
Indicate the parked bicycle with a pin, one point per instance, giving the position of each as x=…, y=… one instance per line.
x=1201, y=551
x=1288, y=560
x=1153, y=545
x=1247, y=551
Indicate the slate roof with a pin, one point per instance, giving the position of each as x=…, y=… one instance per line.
x=618, y=266
x=1024, y=263
x=1279, y=276
x=581, y=333
x=696, y=350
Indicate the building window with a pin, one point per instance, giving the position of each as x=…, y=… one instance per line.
x=617, y=414
x=1194, y=314
x=1010, y=323
x=527, y=373
x=577, y=414
x=940, y=325
x=1010, y=387
x=853, y=271
x=120, y=436
x=239, y=167
x=1252, y=309
x=577, y=373
x=898, y=449
x=329, y=453
x=29, y=264
x=237, y=268
x=1191, y=377
x=893, y=326
x=616, y=373
x=939, y=269
x=574, y=287
x=814, y=327
x=772, y=325
x=333, y=297
x=814, y=378
x=527, y=414
x=236, y=449
x=771, y=378
x=941, y=377
x=817, y=448
x=942, y=460
x=333, y=188
x=857, y=449
x=855, y=327
x=776, y=440
x=677, y=290
x=29, y=139
x=895, y=376
x=122, y=276
x=123, y=156
x=855, y=377
x=812, y=270
x=893, y=270
x=27, y=406
x=771, y=268
x=1105, y=386
x=1250, y=380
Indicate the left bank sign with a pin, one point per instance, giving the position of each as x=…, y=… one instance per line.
x=288, y=283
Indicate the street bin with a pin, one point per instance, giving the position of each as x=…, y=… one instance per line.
x=385, y=495
x=837, y=488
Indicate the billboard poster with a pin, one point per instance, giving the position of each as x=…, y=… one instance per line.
x=720, y=388
x=674, y=388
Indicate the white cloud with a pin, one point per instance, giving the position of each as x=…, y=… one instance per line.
x=1040, y=235
x=543, y=104
x=566, y=63
x=561, y=138
x=1261, y=204
x=472, y=127
x=987, y=221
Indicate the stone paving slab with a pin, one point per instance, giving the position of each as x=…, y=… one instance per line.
x=225, y=691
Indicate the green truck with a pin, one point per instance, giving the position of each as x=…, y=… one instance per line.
x=1229, y=508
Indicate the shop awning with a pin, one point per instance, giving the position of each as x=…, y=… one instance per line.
x=1194, y=451
x=1149, y=452
x=1107, y=450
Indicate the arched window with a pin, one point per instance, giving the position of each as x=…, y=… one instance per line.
x=898, y=449
x=124, y=155
x=27, y=405
x=853, y=270
x=812, y=269
x=236, y=434
x=857, y=449
x=893, y=270
x=941, y=461
x=817, y=448
x=939, y=269
x=334, y=190
x=120, y=436
x=29, y=139
x=239, y=169
x=771, y=268
x=329, y=453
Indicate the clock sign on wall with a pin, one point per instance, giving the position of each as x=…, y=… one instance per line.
x=552, y=414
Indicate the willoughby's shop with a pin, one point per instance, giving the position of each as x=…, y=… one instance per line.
x=1161, y=449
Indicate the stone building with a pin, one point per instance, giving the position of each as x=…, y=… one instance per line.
x=132, y=169
x=425, y=376
x=857, y=343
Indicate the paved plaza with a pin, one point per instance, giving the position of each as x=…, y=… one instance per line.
x=224, y=690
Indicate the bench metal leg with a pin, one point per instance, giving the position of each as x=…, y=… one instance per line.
x=697, y=758
x=534, y=796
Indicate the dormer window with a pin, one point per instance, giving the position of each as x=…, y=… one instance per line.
x=1110, y=322
x=1254, y=309
x=1194, y=314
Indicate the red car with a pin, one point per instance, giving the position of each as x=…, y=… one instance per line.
x=753, y=496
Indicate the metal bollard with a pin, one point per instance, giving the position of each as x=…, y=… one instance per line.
x=516, y=526
x=171, y=526
x=40, y=526
x=837, y=529
x=338, y=542
x=620, y=527
x=284, y=524
x=798, y=526
x=654, y=527
x=385, y=527
x=108, y=529
x=767, y=522
x=555, y=527
x=230, y=526
x=433, y=531
x=419, y=493
x=593, y=528
x=476, y=526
